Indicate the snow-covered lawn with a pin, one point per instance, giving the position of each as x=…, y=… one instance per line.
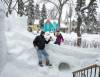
x=22, y=56
x=88, y=40
x=23, y=61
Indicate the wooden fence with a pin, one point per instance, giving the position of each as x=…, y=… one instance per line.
x=90, y=71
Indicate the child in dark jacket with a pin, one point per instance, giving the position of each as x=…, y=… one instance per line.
x=40, y=42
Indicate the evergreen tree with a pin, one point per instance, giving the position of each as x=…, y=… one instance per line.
x=43, y=16
x=30, y=12
x=91, y=16
x=20, y=7
x=31, y=8
x=44, y=12
x=37, y=12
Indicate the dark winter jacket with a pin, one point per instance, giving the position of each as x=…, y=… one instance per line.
x=40, y=42
x=59, y=39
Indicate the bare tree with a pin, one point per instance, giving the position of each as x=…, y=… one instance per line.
x=53, y=13
x=59, y=5
x=17, y=5
x=22, y=8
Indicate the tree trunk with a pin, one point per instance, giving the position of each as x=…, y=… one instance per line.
x=78, y=31
x=59, y=19
x=70, y=29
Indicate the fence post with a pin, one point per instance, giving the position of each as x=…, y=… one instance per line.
x=79, y=74
x=95, y=72
x=73, y=74
x=84, y=74
x=87, y=72
x=99, y=72
x=91, y=72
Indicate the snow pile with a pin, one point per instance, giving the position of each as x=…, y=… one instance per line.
x=3, y=48
x=23, y=60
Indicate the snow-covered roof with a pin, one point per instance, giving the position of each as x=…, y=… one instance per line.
x=36, y=21
x=47, y=20
x=62, y=25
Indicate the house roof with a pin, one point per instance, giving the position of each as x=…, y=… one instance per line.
x=49, y=20
x=62, y=25
x=36, y=21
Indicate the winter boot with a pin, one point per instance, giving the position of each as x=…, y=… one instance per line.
x=48, y=63
x=40, y=64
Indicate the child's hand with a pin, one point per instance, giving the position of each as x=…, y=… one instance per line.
x=50, y=37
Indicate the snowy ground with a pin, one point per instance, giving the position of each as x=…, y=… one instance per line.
x=23, y=61
x=88, y=40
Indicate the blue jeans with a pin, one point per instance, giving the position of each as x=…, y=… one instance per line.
x=41, y=53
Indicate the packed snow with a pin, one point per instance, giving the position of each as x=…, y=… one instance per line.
x=22, y=56
x=88, y=40
x=3, y=47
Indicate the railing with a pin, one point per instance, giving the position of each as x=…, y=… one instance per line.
x=90, y=71
x=84, y=43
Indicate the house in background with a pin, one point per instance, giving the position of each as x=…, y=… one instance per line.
x=50, y=25
x=35, y=26
x=63, y=27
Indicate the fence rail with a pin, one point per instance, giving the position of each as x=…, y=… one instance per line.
x=84, y=43
x=90, y=71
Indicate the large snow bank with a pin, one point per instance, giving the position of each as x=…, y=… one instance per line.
x=24, y=56
x=3, y=48
x=23, y=60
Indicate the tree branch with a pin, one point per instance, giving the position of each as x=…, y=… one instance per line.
x=26, y=1
x=60, y=2
x=65, y=2
x=9, y=6
x=6, y=2
x=15, y=5
x=86, y=7
x=54, y=4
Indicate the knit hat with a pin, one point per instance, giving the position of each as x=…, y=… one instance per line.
x=42, y=32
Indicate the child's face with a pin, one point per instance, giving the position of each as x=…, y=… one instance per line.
x=55, y=34
x=58, y=33
x=43, y=34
